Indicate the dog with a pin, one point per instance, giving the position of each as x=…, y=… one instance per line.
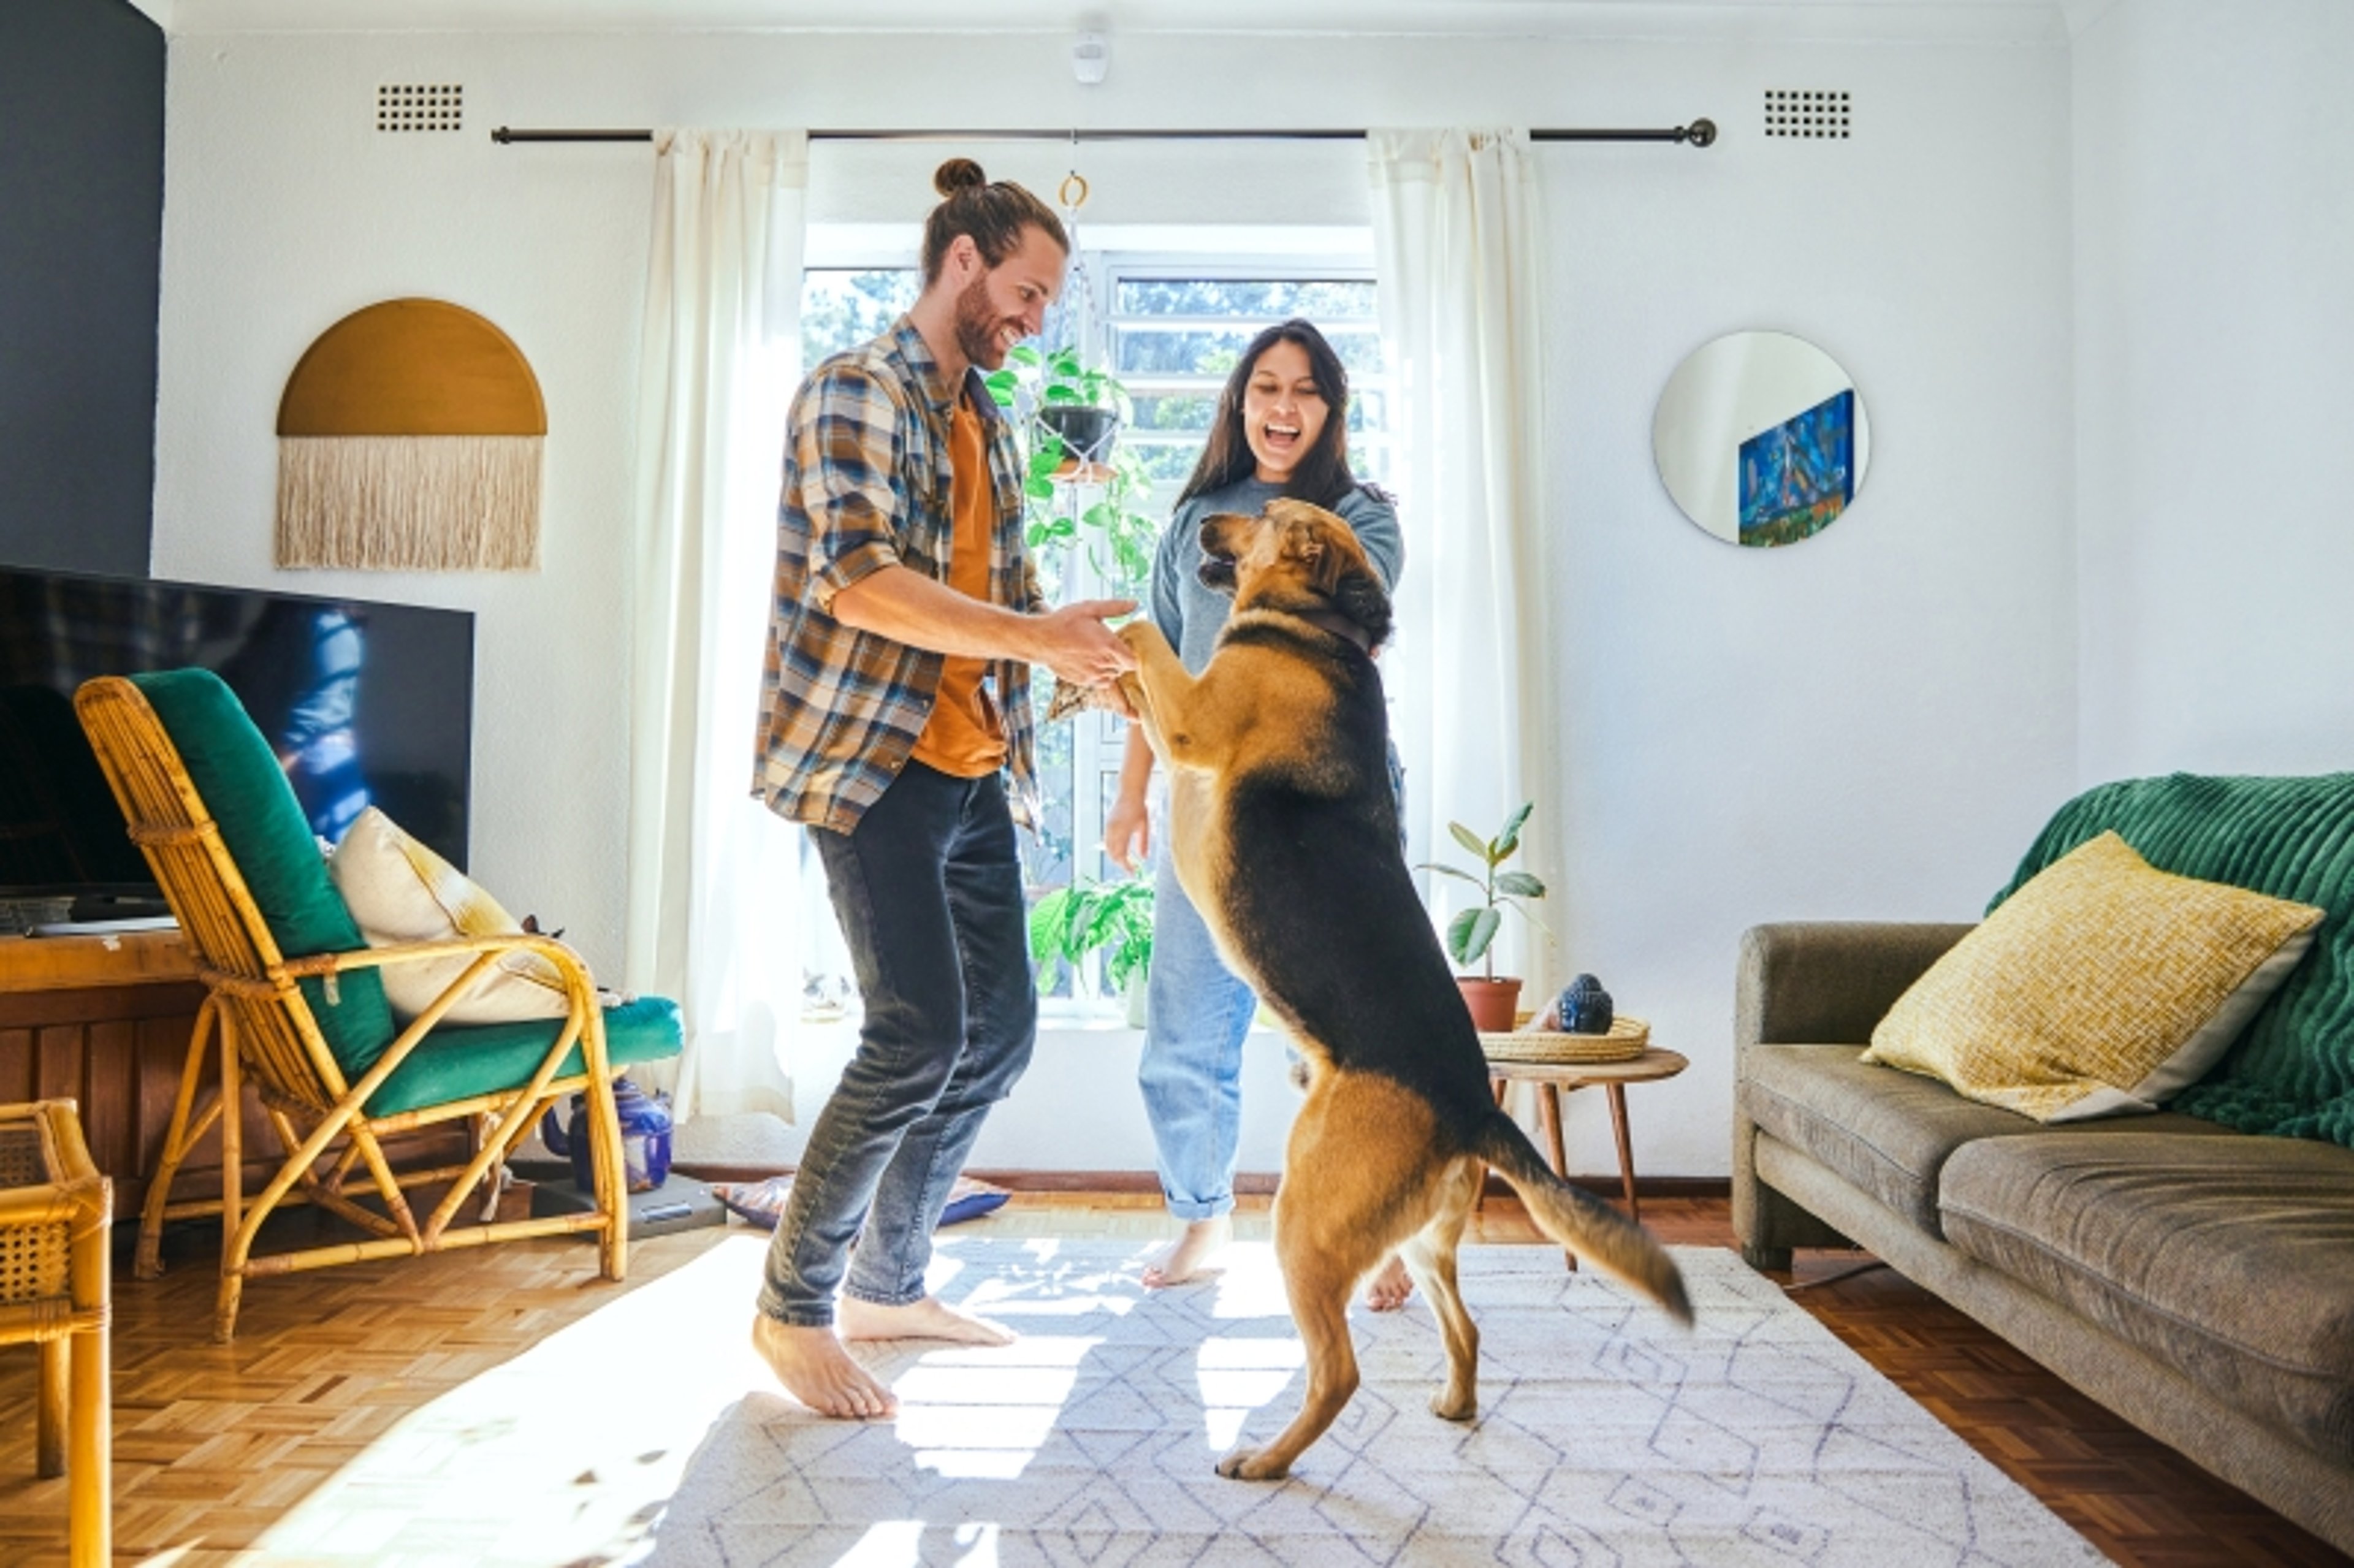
x=1284, y=831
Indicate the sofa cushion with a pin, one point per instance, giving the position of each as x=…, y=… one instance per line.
x=2104, y=985
x=2292, y=1072
x=2231, y=1258
x=1886, y=1132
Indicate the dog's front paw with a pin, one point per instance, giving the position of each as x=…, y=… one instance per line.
x=1250, y=1465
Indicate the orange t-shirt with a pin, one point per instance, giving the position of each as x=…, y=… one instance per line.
x=963, y=737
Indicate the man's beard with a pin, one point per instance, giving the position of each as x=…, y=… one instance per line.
x=978, y=325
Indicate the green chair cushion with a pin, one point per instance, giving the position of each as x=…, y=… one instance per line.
x=263, y=828
x=2292, y=1072
x=458, y=1064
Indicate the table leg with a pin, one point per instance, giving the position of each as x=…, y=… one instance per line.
x=90, y=1509
x=1549, y=1115
x=1626, y=1149
x=49, y=1420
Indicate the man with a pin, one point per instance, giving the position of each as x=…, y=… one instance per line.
x=904, y=596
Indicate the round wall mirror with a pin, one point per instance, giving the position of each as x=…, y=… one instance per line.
x=1761, y=438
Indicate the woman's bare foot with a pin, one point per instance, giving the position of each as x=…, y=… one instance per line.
x=929, y=1319
x=1190, y=1255
x=816, y=1369
x=1390, y=1287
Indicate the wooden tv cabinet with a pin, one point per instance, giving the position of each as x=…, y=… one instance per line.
x=105, y=1021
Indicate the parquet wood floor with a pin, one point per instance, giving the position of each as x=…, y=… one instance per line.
x=214, y=1444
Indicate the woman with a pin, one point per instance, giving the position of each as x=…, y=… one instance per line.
x=1281, y=430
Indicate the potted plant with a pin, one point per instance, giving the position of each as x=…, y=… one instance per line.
x=1471, y=935
x=1070, y=923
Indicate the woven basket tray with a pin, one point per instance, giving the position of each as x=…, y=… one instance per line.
x=1628, y=1039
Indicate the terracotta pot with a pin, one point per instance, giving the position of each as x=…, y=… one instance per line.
x=1494, y=1003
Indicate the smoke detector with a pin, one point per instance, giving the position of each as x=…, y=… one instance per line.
x=1090, y=58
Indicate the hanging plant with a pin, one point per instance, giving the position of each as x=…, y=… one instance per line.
x=1073, y=414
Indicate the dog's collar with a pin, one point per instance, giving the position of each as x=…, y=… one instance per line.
x=1338, y=624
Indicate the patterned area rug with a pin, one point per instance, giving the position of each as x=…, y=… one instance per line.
x=1606, y=1435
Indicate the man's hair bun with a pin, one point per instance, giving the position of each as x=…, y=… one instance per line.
x=958, y=175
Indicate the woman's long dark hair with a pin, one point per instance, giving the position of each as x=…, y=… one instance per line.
x=1321, y=476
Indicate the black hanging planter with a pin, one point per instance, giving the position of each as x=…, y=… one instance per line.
x=1086, y=434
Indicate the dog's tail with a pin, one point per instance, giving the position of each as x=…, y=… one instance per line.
x=1589, y=1227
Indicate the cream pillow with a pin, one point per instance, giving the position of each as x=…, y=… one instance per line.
x=399, y=891
x=2102, y=986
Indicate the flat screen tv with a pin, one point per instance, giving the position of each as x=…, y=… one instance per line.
x=363, y=704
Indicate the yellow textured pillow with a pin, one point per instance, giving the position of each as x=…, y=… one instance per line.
x=2103, y=985
x=401, y=891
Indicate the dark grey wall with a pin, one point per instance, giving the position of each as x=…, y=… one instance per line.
x=81, y=220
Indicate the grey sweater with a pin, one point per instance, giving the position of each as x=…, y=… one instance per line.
x=1190, y=615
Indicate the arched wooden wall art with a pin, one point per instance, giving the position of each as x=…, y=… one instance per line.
x=409, y=439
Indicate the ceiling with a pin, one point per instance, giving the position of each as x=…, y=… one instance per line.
x=2004, y=18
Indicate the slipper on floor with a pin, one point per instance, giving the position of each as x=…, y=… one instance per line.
x=763, y=1203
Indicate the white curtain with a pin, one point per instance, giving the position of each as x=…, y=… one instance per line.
x=1456, y=239
x=716, y=914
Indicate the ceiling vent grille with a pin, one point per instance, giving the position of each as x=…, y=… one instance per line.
x=412, y=107
x=1815, y=115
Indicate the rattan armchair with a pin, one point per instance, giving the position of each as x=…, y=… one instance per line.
x=329, y=1107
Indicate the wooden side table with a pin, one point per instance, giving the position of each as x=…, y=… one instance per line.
x=1554, y=1077
x=54, y=1291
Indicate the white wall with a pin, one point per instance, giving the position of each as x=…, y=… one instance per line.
x=1872, y=723
x=2214, y=227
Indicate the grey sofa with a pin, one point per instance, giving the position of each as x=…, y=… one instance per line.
x=2197, y=1281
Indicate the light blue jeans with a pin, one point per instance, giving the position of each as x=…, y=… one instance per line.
x=1197, y=1014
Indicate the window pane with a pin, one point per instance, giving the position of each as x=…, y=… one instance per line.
x=1152, y=350
x=1324, y=301
x=841, y=309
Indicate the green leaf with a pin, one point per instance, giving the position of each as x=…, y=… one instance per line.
x=1521, y=882
x=1469, y=839
x=1510, y=839
x=1470, y=932
x=1048, y=919
x=1450, y=871
x=1021, y=354
x=1039, y=490
x=1060, y=393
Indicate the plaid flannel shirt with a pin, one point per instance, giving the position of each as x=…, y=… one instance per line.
x=867, y=481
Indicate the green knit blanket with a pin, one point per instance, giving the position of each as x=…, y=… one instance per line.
x=2291, y=1074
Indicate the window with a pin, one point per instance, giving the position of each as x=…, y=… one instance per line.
x=1170, y=329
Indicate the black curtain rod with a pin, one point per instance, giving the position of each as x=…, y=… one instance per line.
x=1699, y=133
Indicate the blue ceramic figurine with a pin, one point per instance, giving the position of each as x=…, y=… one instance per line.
x=1585, y=1007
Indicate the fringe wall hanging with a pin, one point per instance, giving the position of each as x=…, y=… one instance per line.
x=409, y=439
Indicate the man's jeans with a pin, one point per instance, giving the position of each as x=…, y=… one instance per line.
x=929, y=891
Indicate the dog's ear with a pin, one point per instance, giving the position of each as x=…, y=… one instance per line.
x=1320, y=564
x=1361, y=597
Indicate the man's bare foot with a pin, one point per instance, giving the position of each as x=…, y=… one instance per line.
x=1389, y=1289
x=816, y=1369
x=1190, y=1255
x=929, y=1319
